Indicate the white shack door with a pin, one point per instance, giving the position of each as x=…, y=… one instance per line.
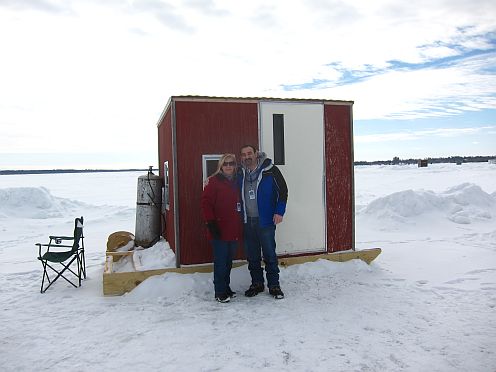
x=292, y=135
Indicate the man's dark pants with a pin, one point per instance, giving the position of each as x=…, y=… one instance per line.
x=261, y=240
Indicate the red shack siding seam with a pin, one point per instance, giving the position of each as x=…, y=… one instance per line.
x=165, y=154
x=195, y=123
x=338, y=177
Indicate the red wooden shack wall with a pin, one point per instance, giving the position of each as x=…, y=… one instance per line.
x=165, y=154
x=208, y=127
x=339, y=176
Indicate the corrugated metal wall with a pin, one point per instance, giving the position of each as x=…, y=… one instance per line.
x=206, y=128
x=339, y=168
x=165, y=154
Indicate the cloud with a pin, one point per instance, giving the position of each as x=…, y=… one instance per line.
x=407, y=93
x=416, y=135
x=207, y=7
x=111, y=69
x=39, y=5
x=164, y=12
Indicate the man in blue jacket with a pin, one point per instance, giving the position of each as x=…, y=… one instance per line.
x=264, y=193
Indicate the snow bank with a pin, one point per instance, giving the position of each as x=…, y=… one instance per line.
x=158, y=256
x=172, y=286
x=34, y=202
x=462, y=204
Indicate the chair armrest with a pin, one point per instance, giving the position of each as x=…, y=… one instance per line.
x=55, y=237
x=48, y=246
x=39, y=248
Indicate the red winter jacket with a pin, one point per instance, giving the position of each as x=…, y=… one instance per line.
x=221, y=201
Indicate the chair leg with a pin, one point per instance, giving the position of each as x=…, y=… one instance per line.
x=79, y=269
x=84, y=264
x=44, y=275
x=79, y=272
x=59, y=275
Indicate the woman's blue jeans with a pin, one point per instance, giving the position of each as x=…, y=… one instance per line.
x=224, y=252
x=258, y=241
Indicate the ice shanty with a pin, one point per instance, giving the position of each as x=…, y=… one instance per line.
x=310, y=140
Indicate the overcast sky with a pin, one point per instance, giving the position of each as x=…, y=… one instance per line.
x=83, y=83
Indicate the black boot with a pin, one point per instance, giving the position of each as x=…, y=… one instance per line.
x=276, y=292
x=254, y=289
x=222, y=298
x=230, y=292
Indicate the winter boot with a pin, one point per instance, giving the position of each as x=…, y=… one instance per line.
x=276, y=292
x=222, y=298
x=230, y=292
x=254, y=290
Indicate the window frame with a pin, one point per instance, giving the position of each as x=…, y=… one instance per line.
x=166, y=195
x=206, y=158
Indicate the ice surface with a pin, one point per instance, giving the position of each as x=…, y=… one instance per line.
x=427, y=303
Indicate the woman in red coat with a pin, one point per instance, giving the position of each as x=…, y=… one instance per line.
x=221, y=207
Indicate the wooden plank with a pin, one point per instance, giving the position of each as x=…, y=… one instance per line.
x=108, y=264
x=120, y=283
x=367, y=255
x=118, y=255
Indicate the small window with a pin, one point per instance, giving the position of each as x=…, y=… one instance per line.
x=165, y=198
x=278, y=134
x=209, y=165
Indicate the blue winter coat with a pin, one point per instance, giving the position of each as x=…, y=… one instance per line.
x=272, y=193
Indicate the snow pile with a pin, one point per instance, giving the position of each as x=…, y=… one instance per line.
x=461, y=204
x=469, y=202
x=158, y=256
x=127, y=247
x=123, y=265
x=172, y=286
x=34, y=202
x=308, y=277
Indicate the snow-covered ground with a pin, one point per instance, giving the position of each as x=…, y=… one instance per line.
x=427, y=303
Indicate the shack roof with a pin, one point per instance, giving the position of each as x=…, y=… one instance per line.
x=190, y=98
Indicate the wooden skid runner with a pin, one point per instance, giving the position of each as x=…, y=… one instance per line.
x=122, y=282
x=367, y=255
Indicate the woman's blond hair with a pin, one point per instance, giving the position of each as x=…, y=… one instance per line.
x=221, y=162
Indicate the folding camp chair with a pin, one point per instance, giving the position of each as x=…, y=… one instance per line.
x=53, y=255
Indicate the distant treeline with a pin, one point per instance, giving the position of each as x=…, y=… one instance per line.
x=48, y=171
x=396, y=160
x=451, y=159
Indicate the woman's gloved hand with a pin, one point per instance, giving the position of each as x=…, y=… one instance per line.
x=214, y=229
